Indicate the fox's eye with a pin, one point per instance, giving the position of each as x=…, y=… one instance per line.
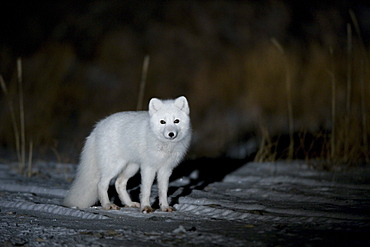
x=162, y=122
x=176, y=121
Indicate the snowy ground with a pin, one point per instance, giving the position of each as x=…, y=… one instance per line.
x=258, y=204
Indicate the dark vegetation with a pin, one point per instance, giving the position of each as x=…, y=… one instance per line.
x=266, y=80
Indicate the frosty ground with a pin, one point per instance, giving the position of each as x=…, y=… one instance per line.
x=252, y=204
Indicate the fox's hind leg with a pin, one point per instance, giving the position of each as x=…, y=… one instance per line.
x=121, y=184
x=110, y=169
x=103, y=194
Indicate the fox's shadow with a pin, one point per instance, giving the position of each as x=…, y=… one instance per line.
x=209, y=170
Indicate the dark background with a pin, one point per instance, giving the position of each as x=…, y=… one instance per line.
x=82, y=60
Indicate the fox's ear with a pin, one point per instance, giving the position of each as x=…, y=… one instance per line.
x=182, y=103
x=154, y=105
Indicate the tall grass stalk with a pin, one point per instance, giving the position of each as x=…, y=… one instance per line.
x=30, y=151
x=22, y=161
x=349, y=91
x=13, y=118
x=364, y=60
x=363, y=113
x=57, y=155
x=144, y=75
x=262, y=150
x=288, y=88
x=19, y=134
x=333, y=108
x=267, y=149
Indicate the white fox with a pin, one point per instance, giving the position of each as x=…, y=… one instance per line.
x=154, y=141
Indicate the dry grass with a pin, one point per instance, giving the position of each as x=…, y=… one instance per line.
x=327, y=84
x=237, y=82
x=144, y=75
x=267, y=151
x=19, y=124
x=228, y=98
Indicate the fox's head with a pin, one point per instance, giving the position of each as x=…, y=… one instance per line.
x=169, y=119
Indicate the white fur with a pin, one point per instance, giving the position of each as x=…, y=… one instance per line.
x=154, y=141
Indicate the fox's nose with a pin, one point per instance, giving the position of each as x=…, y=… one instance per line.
x=172, y=135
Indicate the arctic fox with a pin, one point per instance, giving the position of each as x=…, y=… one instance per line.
x=154, y=141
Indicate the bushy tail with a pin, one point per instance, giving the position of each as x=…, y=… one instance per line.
x=84, y=190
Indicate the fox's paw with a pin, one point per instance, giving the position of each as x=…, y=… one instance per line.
x=111, y=206
x=133, y=205
x=167, y=209
x=147, y=210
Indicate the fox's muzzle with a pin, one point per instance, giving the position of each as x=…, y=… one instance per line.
x=171, y=135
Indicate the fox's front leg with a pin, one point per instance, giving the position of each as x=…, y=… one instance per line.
x=147, y=178
x=162, y=179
